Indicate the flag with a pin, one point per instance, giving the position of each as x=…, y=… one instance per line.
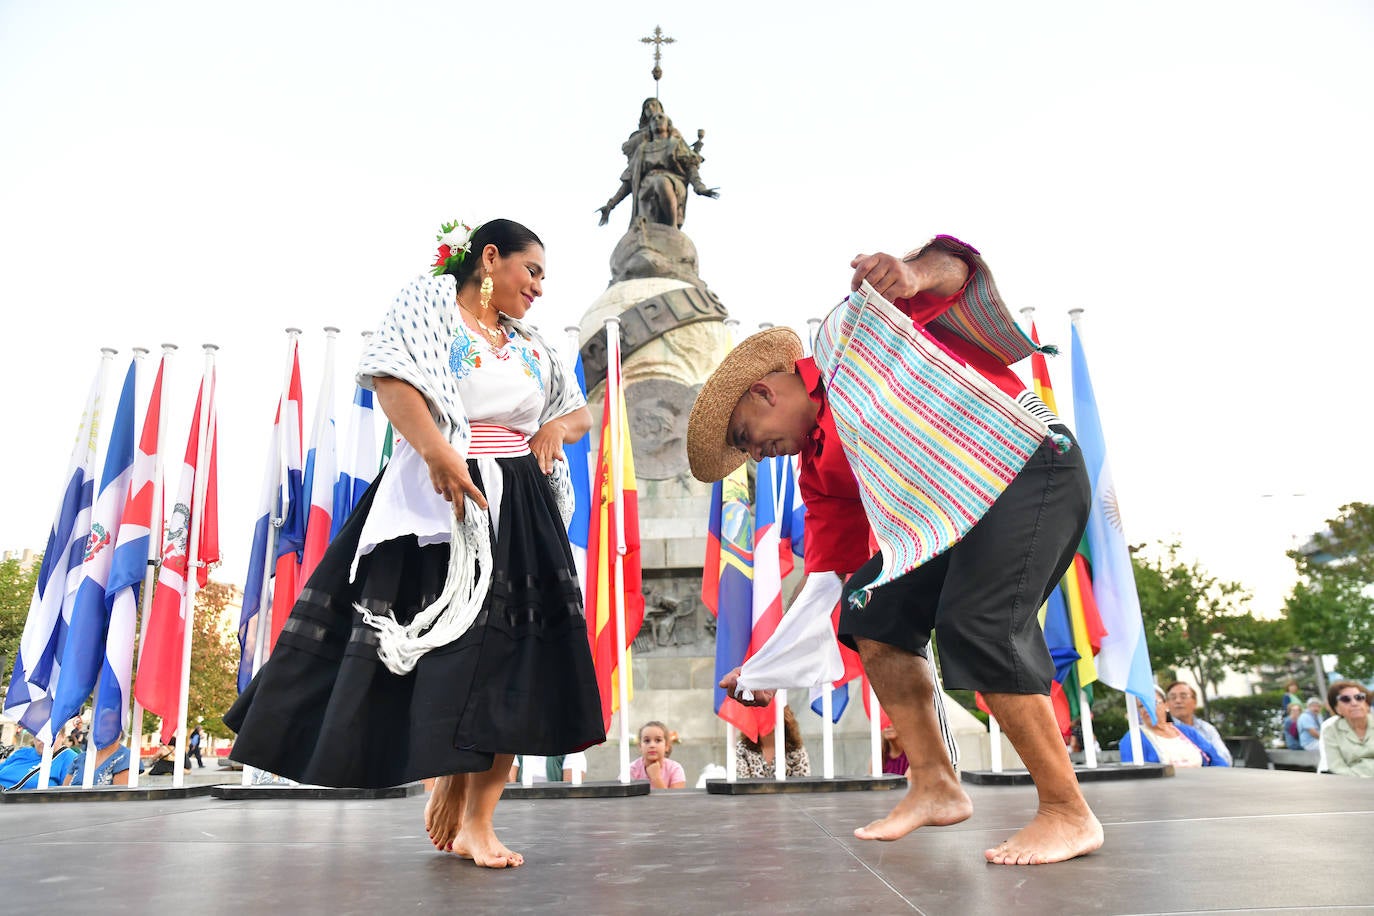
x=603, y=538
x=732, y=527
x=127, y=571
x=273, y=500
x=1073, y=628
x=294, y=506
x=83, y=651
x=38, y=662
x=358, y=463
x=791, y=514
x=767, y=599
x=579, y=467
x=321, y=474
x=712, y=567
x=1124, y=661
x=158, y=684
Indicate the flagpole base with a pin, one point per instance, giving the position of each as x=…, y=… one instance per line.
x=607, y=789
x=795, y=784
x=275, y=790
x=1107, y=772
x=107, y=793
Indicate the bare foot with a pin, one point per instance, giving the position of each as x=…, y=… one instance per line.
x=936, y=805
x=484, y=849
x=444, y=811
x=1053, y=835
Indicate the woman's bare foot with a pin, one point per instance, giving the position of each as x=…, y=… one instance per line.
x=939, y=803
x=444, y=811
x=1053, y=835
x=484, y=849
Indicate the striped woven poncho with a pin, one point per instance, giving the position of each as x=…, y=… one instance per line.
x=931, y=442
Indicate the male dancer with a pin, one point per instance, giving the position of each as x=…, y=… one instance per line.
x=980, y=596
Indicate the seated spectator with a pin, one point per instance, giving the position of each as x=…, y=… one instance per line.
x=1169, y=742
x=758, y=759
x=653, y=763
x=1290, y=696
x=894, y=758
x=162, y=760
x=1182, y=702
x=111, y=767
x=1290, y=727
x=20, y=770
x=1310, y=725
x=1347, y=740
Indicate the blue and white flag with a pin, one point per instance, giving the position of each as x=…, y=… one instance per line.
x=579, y=467
x=84, y=648
x=114, y=691
x=38, y=663
x=358, y=464
x=1123, y=661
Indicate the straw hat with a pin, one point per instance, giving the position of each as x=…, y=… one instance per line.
x=773, y=350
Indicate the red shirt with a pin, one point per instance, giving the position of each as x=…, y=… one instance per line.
x=837, y=535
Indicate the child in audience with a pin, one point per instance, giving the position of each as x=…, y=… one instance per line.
x=653, y=763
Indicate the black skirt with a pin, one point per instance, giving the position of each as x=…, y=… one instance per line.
x=324, y=709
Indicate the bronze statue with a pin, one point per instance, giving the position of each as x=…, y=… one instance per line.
x=660, y=167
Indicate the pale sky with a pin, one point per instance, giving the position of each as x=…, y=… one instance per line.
x=1197, y=177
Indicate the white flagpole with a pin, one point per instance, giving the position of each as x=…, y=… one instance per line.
x=875, y=732
x=828, y=730
x=1133, y=720
x=150, y=577
x=188, y=601
x=617, y=465
x=995, y=742
x=779, y=739
x=1085, y=718
x=276, y=520
x=731, y=765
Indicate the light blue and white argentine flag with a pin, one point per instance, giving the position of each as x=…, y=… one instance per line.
x=1124, y=661
x=84, y=647
x=38, y=662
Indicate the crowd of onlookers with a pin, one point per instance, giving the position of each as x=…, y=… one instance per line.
x=21, y=762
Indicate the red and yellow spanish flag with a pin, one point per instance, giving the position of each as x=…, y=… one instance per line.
x=613, y=537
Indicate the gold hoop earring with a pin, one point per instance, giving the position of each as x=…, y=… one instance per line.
x=484, y=294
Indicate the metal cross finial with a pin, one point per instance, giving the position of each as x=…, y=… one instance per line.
x=658, y=40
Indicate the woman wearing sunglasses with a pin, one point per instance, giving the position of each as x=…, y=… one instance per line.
x=1347, y=740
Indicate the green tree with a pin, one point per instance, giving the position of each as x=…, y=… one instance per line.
x=1198, y=623
x=17, y=582
x=214, y=661
x=1331, y=610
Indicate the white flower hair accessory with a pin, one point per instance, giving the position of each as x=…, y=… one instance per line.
x=455, y=241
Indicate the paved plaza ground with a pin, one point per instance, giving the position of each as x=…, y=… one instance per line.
x=1203, y=841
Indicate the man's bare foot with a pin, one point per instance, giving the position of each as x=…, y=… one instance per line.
x=1053, y=835
x=923, y=806
x=484, y=849
x=444, y=811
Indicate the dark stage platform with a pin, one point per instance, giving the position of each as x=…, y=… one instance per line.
x=1216, y=841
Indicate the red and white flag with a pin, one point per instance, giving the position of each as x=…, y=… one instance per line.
x=158, y=684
